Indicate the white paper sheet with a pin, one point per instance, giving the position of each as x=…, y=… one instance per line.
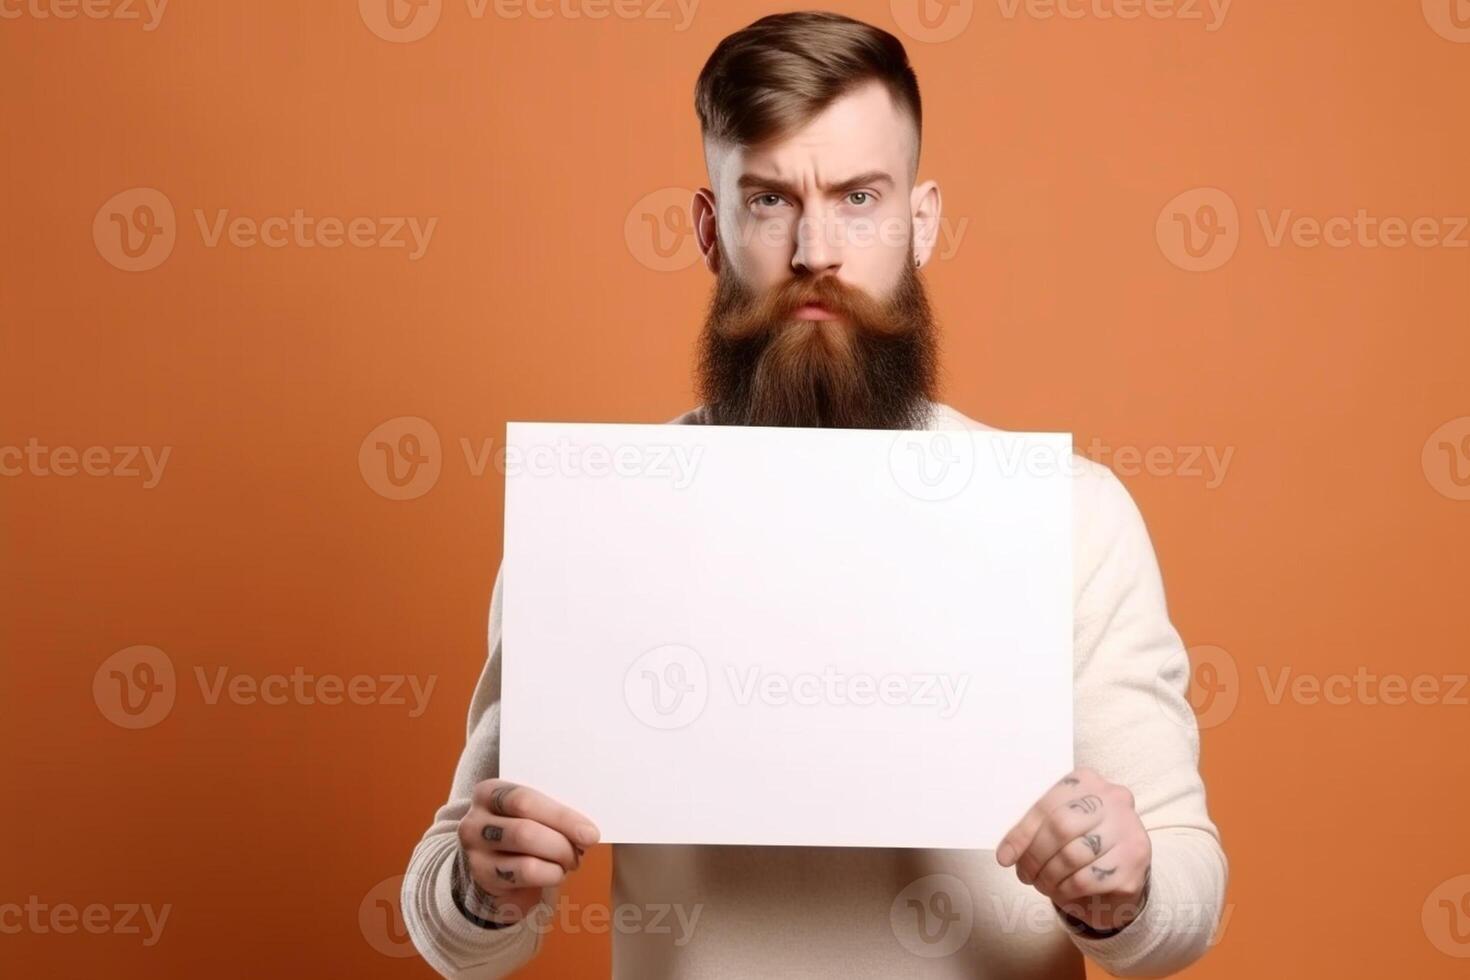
x=732, y=635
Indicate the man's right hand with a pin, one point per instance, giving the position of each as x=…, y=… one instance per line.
x=517, y=841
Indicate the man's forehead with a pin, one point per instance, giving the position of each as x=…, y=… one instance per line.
x=861, y=132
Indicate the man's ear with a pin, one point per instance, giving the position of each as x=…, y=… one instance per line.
x=703, y=209
x=926, y=204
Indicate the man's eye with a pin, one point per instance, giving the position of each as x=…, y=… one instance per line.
x=768, y=200
x=859, y=197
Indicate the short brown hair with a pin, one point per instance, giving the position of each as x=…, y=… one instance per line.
x=777, y=74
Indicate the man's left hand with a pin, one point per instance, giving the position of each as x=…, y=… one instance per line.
x=1083, y=846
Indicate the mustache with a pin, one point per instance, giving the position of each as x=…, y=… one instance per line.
x=874, y=368
x=740, y=315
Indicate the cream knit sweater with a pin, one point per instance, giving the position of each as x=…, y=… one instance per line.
x=716, y=912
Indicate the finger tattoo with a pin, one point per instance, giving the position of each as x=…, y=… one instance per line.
x=1101, y=873
x=498, y=798
x=1086, y=804
x=1093, y=841
x=492, y=832
x=1070, y=781
x=510, y=876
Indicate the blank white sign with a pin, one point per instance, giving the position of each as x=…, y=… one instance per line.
x=737, y=635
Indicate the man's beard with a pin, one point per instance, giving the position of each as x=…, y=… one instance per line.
x=873, y=368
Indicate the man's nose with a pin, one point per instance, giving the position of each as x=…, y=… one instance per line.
x=817, y=247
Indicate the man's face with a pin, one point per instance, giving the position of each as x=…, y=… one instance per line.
x=819, y=317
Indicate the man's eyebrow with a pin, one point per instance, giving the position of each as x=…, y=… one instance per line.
x=868, y=178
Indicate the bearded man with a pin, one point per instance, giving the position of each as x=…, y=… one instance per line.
x=816, y=229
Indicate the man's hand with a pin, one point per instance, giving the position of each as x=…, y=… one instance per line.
x=515, y=842
x=1083, y=846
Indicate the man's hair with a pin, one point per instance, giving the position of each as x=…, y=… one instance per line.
x=774, y=76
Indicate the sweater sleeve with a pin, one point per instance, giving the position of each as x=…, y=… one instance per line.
x=1135, y=727
x=448, y=941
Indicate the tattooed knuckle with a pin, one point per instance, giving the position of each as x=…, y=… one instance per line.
x=1080, y=811
x=492, y=835
x=498, y=797
x=505, y=872
x=505, y=801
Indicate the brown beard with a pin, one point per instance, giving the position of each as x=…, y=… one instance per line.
x=874, y=368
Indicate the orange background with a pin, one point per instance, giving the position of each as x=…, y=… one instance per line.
x=1332, y=543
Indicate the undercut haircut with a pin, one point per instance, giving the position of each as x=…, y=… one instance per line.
x=774, y=76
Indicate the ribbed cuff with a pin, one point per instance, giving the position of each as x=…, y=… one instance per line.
x=472, y=901
x=1086, y=931
x=1174, y=927
x=450, y=942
